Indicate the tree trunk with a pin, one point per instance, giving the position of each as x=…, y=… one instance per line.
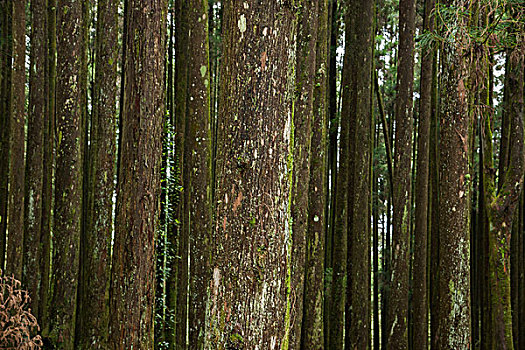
x=420, y=318
x=68, y=182
x=197, y=166
x=453, y=318
x=132, y=288
x=357, y=108
x=6, y=46
x=250, y=296
x=38, y=109
x=93, y=314
x=47, y=181
x=15, y=207
x=312, y=336
x=397, y=310
x=307, y=18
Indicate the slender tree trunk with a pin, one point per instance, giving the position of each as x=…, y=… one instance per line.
x=47, y=181
x=453, y=328
x=312, y=331
x=68, y=188
x=420, y=318
x=397, y=311
x=93, y=315
x=251, y=298
x=15, y=210
x=357, y=107
x=198, y=169
x=302, y=123
x=6, y=47
x=38, y=109
x=132, y=288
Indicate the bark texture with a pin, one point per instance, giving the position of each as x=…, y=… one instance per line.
x=38, y=90
x=68, y=179
x=132, y=288
x=93, y=312
x=17, y=115
x=453, y=317
x=250, y=296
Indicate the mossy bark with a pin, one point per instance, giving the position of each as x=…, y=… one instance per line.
x=397, y=307
x=68, y=180
x=38, y=109
x=312, y=336
x=357, y=108
x=250, y=296
x=17, y=115
x=302, y=122
x=93, y=312
x=453, y=316
x=132, y=289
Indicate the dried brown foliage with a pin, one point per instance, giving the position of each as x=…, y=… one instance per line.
x=18, y=327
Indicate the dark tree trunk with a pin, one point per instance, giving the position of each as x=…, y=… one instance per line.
x=357, y=108
x=93, y=313
x=420, y=305
x=6, y=46
x=68, y=183
x=312, y=331
x=397, y=308
x=250, y=296
x=302, y=124
x=132, y=288
x=38, y=109
x=197, y=166
x=47, y=181
x=15, y=207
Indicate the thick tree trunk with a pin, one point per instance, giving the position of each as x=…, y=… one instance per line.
x=357, y=108
x=15, y=209
x=302, y=122
x=93, y=313
x=453, y=318
x=197, y=166
x=420, y=318
x=68, y=182
x=312, y=331
x=132, y=288
x=397, y=310
x=38, y=109
x=250, y=297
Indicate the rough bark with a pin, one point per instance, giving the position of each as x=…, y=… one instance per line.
x=68, y=180
x=132, y=289
x=312, y=330
x=419, y=301
x=250, y=297
x=453, y=317
x=93, y=313
x=197, y=166
x=397, y=310
x=357, y=107
x=17, y=115
x=302, y=122
x=37, y=115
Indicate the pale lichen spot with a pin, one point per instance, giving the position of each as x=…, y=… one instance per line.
x=242, y=23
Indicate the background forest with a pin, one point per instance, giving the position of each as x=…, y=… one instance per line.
x=270, y=174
